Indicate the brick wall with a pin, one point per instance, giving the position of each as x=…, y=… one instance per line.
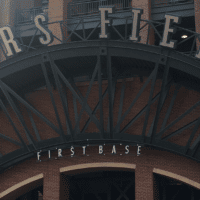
x=145, y=163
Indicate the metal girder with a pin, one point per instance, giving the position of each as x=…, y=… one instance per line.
x=179, y=130
x=118, y=32
x=76, y=129
x=12, y=123
x=52, y=100
x=195, y=145
x=150, y=99
x=63, y=99
x=100, y=97
x=121, y=102
x=151, y=131
x=34, y=125
x=80, y=98
x=93, y=31
x=87, y=93
x=163, y=96
x=142, y=111
x=73, y=31
x=94, y=111
x=159, y=135
x=136, y=98
x=61, y=83
x=21, y=100
x=32, y=39
x=109, y=73
x=19, y=115
x=10, y=140
x=170, y=107
x=113, y=96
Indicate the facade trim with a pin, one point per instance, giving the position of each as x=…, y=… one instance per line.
x=177, y=177
x=18, y=185
x=95, y=165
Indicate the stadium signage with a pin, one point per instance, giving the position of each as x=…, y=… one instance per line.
x=136, y=14
x=101, y=151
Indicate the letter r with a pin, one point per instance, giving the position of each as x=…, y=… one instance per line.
x=7, y=42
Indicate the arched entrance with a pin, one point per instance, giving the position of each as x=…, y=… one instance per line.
x=103, y=185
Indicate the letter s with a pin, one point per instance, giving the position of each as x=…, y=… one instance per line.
x=46, y=31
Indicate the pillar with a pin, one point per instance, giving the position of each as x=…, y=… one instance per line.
x=64, y=187
x=51, y=184
x=197, y=20
x=57, y=12
x=146, y=6
x=144, y=182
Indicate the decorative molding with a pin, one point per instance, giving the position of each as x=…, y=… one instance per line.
x=18, y=185
x=95, y=165
x=177, y=177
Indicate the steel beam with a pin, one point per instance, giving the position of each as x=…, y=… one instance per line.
x=80, y=98
x=19, y=115
x=63, y=99
x=32, y=39
x=87, y=94
x=10, y=140
x=109, y=74
x=34, y=125
x=113, y=96
x=178, y=119
x=162, y=104
x=150, y=99
x=192, y=135
x=94, y=111
x=117, y=32
x=170, y=106
x=93, y=31
x=52, y=99
x=136, y=98
x=100, y=97
x=121, y=102
x=30, y=107
x=13, y=125
x=76, y=129
x=160, y=101
x=179, y=130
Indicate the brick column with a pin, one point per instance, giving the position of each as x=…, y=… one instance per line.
x=197, y=20
x=64, y=187
x=2, y=56
x=146, y=6
x=144, y=182
x=37, y=3
x=51, y=184
x=57, y=12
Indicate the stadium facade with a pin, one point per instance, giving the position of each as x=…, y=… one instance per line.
x=99, y=99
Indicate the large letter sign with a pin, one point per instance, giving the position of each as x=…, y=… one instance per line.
x=136, y=24
x=47, y=32
x=7, y=42
x=8, y=38
x=166, y=37
x=104, y=22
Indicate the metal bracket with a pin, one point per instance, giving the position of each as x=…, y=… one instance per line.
x=164, y=56
x=103, y=51
x=45, y=58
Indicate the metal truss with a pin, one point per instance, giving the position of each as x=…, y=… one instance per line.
x=57, y=67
